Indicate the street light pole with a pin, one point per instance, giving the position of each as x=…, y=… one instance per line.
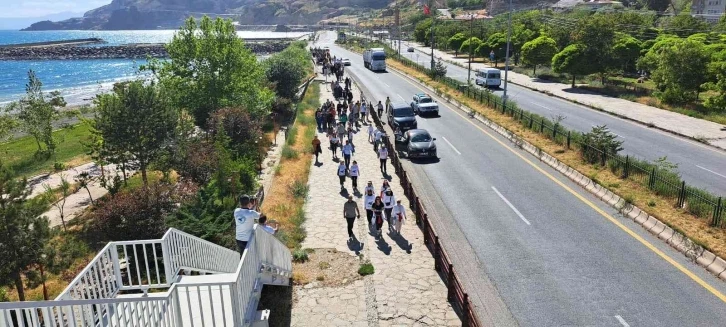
x=471, y=36
x=433, y=21
x=506, y=54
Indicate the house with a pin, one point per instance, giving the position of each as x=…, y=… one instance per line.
x=710, y=10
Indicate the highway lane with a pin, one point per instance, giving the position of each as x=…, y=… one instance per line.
x=699, y=164
x=569, y=265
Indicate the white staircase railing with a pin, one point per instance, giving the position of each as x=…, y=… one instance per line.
x=228, y=299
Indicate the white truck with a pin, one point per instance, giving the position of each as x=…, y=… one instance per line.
x=375, y=59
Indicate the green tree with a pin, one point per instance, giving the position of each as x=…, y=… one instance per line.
x=37, y=111
x=626, y=50
x=211, y=68
x=718, y=102
x=539, y=52
x=23, y=232
x=286, y=70
x=520, y=35
x=657, y=5
x=473, y=41
x=684, y=25
x=138, y=120
x=679, y=69
x=496, y=42
x=456, y=41
x=421, y=32
x=597, y=35
x=573, y=60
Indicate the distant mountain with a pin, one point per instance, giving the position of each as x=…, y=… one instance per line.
x=151, y=14
x=15, y=23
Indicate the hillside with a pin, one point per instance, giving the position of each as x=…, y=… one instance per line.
x=151, y=14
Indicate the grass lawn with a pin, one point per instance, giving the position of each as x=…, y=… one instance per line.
x=20, y=154
x=697, y=229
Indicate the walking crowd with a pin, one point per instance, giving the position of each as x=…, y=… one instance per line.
x=340, y=120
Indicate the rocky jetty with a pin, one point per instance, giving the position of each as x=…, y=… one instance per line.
x=130, y=51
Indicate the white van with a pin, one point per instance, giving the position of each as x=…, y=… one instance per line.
x=489, y=77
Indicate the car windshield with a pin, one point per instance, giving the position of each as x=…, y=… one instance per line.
x=494, y=75
x=379, y=56
x=421, y=137
x=403, y=112
x=425, y=100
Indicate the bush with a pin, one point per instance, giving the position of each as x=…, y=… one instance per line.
x=366, y=269
x=291, y=136
x=601, y=140
x=58, y=166
x=137, y=214
x=300, y=255
x=199, y=163
x=299, y=190
x=289, y=153
x=244, y=130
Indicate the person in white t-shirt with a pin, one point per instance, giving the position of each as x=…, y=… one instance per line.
x=347, y=153
x=399, y=215
x=364, y=112
x=389, y=201
x=354, y=173
x=342, y=172
x=371, y=133
x=370, y=187
x=369, y=198
x=383, y=156
x=244, y=218
x=262, y=223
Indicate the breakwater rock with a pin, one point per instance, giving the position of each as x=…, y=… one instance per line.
x=129, y=51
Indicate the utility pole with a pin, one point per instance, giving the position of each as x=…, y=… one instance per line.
x=471, y=36
x=398, y=26
x=506, y=54
x=433, y=20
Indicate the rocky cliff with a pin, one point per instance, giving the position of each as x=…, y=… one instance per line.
x=152, y=14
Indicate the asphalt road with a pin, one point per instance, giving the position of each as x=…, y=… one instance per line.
x=549, y=255
x=699, y=164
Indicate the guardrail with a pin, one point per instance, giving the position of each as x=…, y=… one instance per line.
x=92, y=298
x=696, y=201
x=442, y=264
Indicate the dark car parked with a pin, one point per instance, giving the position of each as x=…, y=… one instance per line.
x=418, y=143
x=401, y=115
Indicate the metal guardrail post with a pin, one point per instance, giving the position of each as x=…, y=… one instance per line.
x=604, y=157
x=626, y=171
x=450, y=283
x=717, y=212
x=554, y=133
x=568, y=139
x=437, y=254
x=682, y=195
x=651, y=181
x=466, y=308
x=541, y=126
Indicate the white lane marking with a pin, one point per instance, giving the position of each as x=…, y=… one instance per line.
x=622, y=321
x=539, y=105
x=400, y=97
x=451, y=145
x=511, y=206
x=386, y=84
x=710, y=171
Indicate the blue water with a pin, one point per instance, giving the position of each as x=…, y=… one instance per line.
x=81, y=80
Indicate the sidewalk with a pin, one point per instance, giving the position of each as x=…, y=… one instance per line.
x=404, y=290
x=663, y=119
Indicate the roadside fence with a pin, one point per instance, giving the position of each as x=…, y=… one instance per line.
x=660, y=181
x=458, y=298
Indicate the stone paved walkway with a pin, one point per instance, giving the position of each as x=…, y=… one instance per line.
x=664, y=119
x=404, y=291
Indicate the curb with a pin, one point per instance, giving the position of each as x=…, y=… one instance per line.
x=639, y=122
x=675, y=239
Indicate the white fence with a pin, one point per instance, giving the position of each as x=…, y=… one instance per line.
x=93, y=298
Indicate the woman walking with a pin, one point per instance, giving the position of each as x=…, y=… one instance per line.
x=342, y=172
x=354, y=173
x=399, y=215
x=334, y=142
x=369, y=199
x=316, y=148
x=389, y=202
x=377, y=208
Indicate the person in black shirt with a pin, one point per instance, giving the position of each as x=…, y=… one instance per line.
x=377, y=208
